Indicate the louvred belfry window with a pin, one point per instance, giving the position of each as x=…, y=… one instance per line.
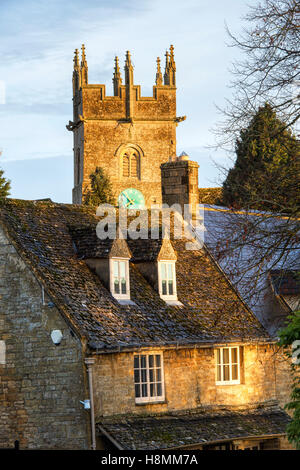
x=134, y=165
x=131, y=163
x=126, y=163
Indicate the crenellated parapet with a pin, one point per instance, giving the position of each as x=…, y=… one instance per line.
x=126, y=103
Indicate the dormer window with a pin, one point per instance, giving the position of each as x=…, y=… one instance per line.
x=167, y=280
x=119, y=278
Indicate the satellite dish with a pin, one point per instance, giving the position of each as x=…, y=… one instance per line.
x=56, y=336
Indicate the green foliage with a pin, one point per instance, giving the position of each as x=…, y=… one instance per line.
x=4, y=186
x=100, y=191
x=266, y=174
x=287, y=337
x=210, y=195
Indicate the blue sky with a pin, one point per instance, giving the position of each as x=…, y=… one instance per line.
x=38, y=39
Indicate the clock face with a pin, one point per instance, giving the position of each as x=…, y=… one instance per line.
x=131, y=198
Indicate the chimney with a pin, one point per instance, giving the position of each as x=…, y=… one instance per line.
x=179, y=181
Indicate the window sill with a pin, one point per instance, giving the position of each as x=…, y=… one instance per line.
x=175, y=303
x=227, y=383
x=143, y=403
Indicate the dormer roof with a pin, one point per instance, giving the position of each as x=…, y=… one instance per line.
x=151, y=249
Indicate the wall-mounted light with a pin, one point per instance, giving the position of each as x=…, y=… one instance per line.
x=56, y=336
x=86, y=404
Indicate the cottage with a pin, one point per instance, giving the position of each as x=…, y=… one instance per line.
x=155, y=343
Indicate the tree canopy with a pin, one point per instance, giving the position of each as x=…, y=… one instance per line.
x=290, y=339
x=267, y=68
x=100, y=191
x=266, y=174
x=4, y=185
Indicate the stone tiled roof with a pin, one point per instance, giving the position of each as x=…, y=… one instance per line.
x=285, y=282
x=88, y=245
x=240, y=261
x=165, y=432
x=211, y=311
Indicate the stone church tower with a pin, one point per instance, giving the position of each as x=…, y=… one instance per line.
x=127, y=134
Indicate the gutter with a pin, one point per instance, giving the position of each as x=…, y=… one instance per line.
x=176, y=345
x=89, y=362
x=110, y=438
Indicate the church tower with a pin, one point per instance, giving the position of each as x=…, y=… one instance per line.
x=126, y=134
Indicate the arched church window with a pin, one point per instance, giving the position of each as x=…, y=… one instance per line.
x=131, y=163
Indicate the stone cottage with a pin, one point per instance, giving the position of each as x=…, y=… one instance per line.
x=127, y=344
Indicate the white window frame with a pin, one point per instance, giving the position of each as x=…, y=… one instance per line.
x=111, y=276
x=167, y=296
x=230, y=364
x=148, y=398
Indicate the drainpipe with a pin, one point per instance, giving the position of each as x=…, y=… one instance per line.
x=89, y=362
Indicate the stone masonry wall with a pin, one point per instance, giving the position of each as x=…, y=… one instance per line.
x=190, y=381
x=40, y=383
x=179, y=181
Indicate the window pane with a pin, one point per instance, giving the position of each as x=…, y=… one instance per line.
x=123, y=286
x=137, y=391
x=163, y=271
x=218, y=356
x=116, y=269
x=151, y=361
x=144, y=390
x=117, y=287
x=158, y=375
x=225, y=356
x=143, y=361
x=170, y=287
x=152, y=390
x=164, y=287
x=122, y=269
x=234, y=355
x=157, y=358
x=170, y=271
x=137, y=376
x=151, y=375
x=136, y=362
x=143, y=375
x=234, y=372
x=226, y=375
x=219, y=377
x=159, y=389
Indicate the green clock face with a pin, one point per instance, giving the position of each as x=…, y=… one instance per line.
x=131, y=198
